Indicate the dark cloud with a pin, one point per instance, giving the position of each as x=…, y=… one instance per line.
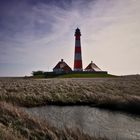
x=27, y=17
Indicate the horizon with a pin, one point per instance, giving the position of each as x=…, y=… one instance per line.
x=36, y=34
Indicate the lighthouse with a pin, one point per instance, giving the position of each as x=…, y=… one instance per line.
x=78, y=53
x=63, y=68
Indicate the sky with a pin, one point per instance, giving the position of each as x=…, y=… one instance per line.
x=36, y=34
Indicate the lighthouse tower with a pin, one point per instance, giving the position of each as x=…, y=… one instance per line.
x=78, y=54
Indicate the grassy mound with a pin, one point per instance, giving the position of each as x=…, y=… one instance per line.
x=85, y=75
x=15, y=124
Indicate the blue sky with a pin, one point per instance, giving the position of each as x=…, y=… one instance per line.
x=36, y=34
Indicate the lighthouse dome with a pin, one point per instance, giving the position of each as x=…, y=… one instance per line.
x=77, y=32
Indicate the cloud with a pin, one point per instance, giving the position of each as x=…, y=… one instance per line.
x=39, y=33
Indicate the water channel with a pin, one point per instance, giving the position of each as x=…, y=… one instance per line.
x=93, y=121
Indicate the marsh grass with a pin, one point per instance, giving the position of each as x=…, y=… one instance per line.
x=15, y=124
x=6, y=133
x=121, y=93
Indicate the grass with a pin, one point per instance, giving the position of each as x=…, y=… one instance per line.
x=72, y=75
x=85, y=75
x=121, y=93
x=15, y=124
x=116, y=93
x=7, y=133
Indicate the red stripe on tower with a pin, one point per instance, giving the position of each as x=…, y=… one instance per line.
x=78, y=54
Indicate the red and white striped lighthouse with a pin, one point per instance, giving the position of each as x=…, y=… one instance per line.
x=78, y=54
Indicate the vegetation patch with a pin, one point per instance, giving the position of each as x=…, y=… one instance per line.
x=85, y=75
x=15, y=124
x=119, y=93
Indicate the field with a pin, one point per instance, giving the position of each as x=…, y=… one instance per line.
x=118, y=93
x=121, y=93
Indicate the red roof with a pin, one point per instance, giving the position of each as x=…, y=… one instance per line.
x=92, y=67
x=62, y=66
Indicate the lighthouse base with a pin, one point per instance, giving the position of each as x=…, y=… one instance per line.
x=77, y=70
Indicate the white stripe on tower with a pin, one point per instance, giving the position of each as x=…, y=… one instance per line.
x=77, y=43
